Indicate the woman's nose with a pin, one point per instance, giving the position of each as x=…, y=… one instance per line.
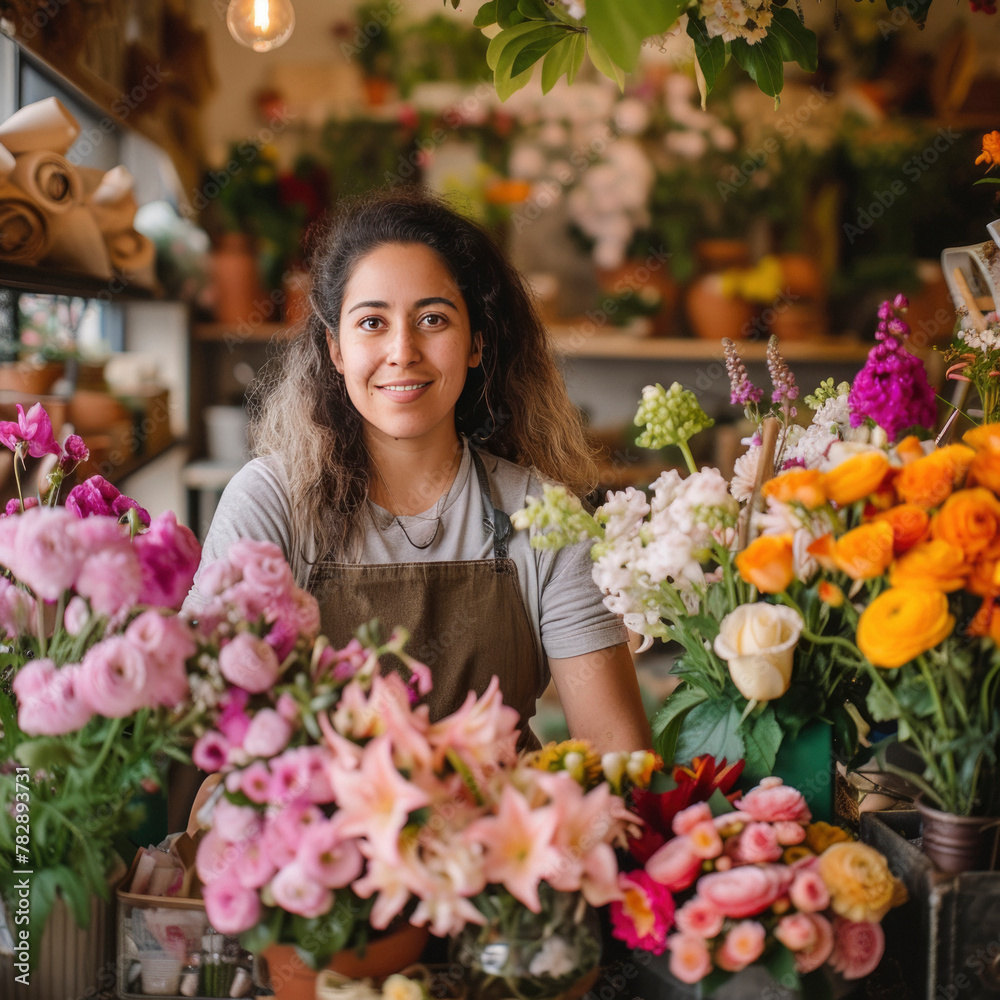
x=404, y=348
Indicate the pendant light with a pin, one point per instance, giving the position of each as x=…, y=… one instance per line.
x=260, y=25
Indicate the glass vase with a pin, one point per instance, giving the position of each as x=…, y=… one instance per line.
x=534, y=956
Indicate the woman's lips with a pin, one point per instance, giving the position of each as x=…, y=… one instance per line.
x=403, y=393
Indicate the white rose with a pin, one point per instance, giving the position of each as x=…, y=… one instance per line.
x=758, y=643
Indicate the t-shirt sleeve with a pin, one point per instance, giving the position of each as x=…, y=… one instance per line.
x=572, y=617
x=253, y=505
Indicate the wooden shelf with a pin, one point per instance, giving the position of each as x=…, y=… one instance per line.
x=575, y=342
x=43, y=281
x=229, y=333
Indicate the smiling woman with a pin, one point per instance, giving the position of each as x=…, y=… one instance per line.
x=421, y=406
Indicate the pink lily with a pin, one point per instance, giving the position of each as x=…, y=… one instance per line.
x=32, y=430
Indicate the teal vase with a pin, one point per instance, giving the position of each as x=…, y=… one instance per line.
x=806, y=763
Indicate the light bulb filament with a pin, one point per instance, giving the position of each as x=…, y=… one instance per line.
x=261, y=14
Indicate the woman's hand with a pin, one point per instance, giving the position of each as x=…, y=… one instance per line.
x=599, y=692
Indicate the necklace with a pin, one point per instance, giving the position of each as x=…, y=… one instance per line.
x=435, y=520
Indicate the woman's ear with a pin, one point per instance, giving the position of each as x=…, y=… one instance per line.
x=334, y=349
x=476, y=354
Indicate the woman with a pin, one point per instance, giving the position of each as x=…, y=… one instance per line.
x=422, y=347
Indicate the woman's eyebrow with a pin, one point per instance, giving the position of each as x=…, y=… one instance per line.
x=369, y=305
x=420, y=303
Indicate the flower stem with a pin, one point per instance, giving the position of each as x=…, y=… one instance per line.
x=688, y=457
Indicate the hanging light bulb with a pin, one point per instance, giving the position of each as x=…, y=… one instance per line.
x=260, y=25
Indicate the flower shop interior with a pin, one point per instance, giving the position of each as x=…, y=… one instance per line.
x=762, y=239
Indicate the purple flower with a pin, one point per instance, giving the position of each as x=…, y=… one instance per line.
x=742, y=390
x=781, y=375
x=97, y=496
x=892, y=388
x=33, y=429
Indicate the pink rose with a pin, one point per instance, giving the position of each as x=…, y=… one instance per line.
x=857, y=947
x=47, y=553
x=112, y=678
x=690, y=961
x=756, y=843
x=210, y=751
x=48, y=701
x=249, y=663
x=231, y=908
x=291, y=824
x=328, y=858
x=745, y=890
x=295, y=892
x=813, y=957
x=809, y=893
x=167, y=643
x=699, y=918
x=772, y=803
x=17, y=608
x=687, y=818
x=255, y=867
x=675, y=864
x=169, y=554
x=255, y=782
x=743, y=945
x=268, y=734
x=796, y=932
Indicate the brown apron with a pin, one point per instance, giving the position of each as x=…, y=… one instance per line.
x=467, y=620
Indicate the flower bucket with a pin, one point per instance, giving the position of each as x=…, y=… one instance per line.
x=958, y=843
x=806, y=763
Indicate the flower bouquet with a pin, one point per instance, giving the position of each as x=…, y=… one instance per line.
x=344, y=813
x=92, y=675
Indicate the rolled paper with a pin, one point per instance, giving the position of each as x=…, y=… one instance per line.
x=135, y=256
x=6, y=162
x=115, y=185
x=49, y=180
x=44, y=125
x=76, y=244
x=111, y=202
x=24, y=234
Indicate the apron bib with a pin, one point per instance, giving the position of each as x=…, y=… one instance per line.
x=466, y=619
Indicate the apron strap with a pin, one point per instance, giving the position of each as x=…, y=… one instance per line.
x=494, y=519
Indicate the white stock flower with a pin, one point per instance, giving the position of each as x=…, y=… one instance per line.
x=758, y=641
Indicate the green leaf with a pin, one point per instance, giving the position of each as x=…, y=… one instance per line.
x=621, y=28
x=537, y=48
x=711, y=727
x=762, y=737
x=537, y=10
x=576, y=60
x=499, y=42
x=669, y=719
x=762, y=62
x=710, y=52
x=604, y=63
x=719, y=804
x=507, y=13
x=47, y=753
x=486, y=15
x=266, y=933
x=781, y=964
x=796, y=41
x=505, y=81
x=557, y=63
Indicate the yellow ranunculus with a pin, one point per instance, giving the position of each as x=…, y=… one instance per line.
x=859, y=881
x=934, y=565
x=820, y=836
x=902, y=623
x=864, y=552
x=857, y=477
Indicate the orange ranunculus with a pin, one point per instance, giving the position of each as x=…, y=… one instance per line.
x=857, y=477
x=984, y=578
x=767, y=563
x=991, y=150
x=929, y=481
x=800, y=486
x=910, y=524
x=864, y=552
x=985, y=437
x=934, y=565
x=986, y=621
x=970, y=519
x=822, y=549
x=909, y=449
x=901, y=623
x=830, y=593
x=985, y=469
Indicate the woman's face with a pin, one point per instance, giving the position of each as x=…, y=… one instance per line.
x=405, y=347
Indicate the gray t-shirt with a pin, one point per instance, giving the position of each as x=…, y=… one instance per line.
x=563, y=602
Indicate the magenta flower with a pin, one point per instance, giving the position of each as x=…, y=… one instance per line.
x=645, y=914
x=15, y=507
x=169, y=554
x=32, y=429
x=76, y=448
x=97, y=496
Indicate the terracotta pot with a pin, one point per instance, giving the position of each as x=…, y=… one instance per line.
x=796, y=320
x=239, y=297
x=802, y=277
x=718, y=254
x=32, y=378
x=958, y=843
x=292, y=979
x=634, y=275
x=713, y=315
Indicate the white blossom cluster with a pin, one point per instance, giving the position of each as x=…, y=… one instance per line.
x=732, y=19
x=986, y=341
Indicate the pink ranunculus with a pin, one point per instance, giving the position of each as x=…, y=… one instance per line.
x=756, y=843
x=110, y=579
x=857, y=947
x=287, y=707
x=76, y=616
x=330, y=859
x=699, y=918
x=210, y=751
x=813, y=957
x=312, y=766
x=249, y=663
x=97, y=497
x=48, y=701
x=112, y=678
x=809, y=893
x=745, y=890
x=687, y=818
x=743, y=945
x=169, y=554
x=268, y=734
x=255, y=782
x=17, y=609
x=293, y=821
x=231, y=908
x=233, y=721
x=47, y=552
x=772, y=803
x=217, y=577
x=796, y=931
x=645, y=913
x=281, y=637
x=297, y=892
x=167, y=643
x=690, y=961
x=234, y=823
x=255, y=867
x=675, y=864
x=304, y=610
x=215, y=857
x=705, y=840
x=263, y=566
x=789, y=833
x=34, y=428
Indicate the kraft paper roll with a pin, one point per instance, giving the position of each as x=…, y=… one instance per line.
x=24, y=235
x=44, y=125
x=135, y=256
x=109, y=195
x=76, y=244
x=6, y=162
x=49, y=180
